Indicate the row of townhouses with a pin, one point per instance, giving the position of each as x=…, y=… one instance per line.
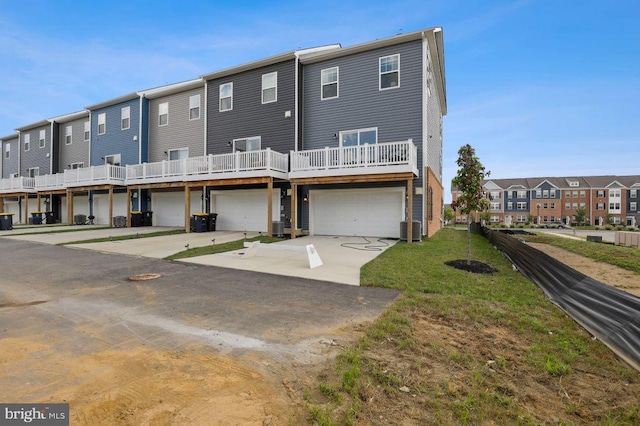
x=603, y=200
x=328, y=140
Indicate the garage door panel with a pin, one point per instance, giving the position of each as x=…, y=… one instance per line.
x=101, y=207
x=168, y=207
x=357, y=212
x=244, y=209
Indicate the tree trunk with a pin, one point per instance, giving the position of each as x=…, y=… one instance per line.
x=469, y=239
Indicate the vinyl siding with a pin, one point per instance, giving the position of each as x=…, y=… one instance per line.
x=249, y=116
x=78, y=151
x=434, y=130
x=11, y=165
x=36, y=156
x=115, y=140
x=180, y=132
x=397, y=113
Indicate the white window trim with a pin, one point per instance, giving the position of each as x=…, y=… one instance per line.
x=102, y=120
x=87, y=131
x=114, y=157
x=68, y=135
x=270, y=87
x=367, y=129
x=246, y=139
x=7, y=151
x=194, y=103
x=388, y=72
x=42, y=142
x=78, y=165
x=337, y=83
x=27, y=142
x=163, y=110
x=125, y=114
x=33, y=169
x=177, y=150
x=230, y=84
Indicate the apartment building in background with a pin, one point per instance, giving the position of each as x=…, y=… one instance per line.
x=602, y=200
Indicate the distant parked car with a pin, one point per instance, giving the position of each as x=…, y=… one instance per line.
x=559, y=225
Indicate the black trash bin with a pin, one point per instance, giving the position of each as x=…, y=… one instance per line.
x=36, y=218
x=147, y=218
x=136, y=219
x=49, y=217
x=200, y=222
x=211, y=226
x=6, y=221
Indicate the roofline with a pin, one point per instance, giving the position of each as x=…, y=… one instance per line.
x=170, y=89
x=113, y=101
x=11, y=136
x=69, y=117
x=33, y=125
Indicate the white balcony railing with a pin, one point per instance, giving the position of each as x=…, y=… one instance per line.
x=368, y=158
x=94, y=175
x=218, y=166
x=55, y=181
x=17, y=184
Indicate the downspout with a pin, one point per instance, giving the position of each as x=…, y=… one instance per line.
x=206, y=116
x=296, y=102
x=90, y=137
x=425, y=133
x=51, y=150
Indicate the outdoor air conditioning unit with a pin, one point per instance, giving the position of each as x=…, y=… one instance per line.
x=79, y=219
x=416, y=230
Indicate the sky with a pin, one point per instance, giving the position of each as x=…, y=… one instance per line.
x=537, y=87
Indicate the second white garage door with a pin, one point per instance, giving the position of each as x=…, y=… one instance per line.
x=360, y=212
x=168, y=207
x=243, y=209
x=101, y=207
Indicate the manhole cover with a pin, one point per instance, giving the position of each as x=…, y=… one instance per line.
x=144, y=277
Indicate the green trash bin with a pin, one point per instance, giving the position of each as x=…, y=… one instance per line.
x=36, y=218
x=6, y=221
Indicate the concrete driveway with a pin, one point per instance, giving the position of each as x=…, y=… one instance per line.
x=342, y=257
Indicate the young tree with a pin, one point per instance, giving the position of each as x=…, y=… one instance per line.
x=469, y=179
x=449, y=215
x=581, y=216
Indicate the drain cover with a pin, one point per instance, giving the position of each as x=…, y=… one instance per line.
x=144, y=277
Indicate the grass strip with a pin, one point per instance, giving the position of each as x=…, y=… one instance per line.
x=220, y=248
x=126, y=237
x=52, y=230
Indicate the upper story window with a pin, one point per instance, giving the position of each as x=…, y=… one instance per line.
x=41, y=139
x=574, y=183
x=552, y=193
x=538, y=193
x=269, y=87
x=522, y=194
x=247, y=144
x=163, y=114
x=359, y=137
x=194, y=107
x=389, y=72
x=521, y=205
x=27, y=141
x=87, y=131
x=68, y=131
x=633, y=193
x=600, y=193
x=102, y=123
x=7, y=151
x=226, y=97
x=614, y=193
x=583, y=194
x=575, y=194
x=545, y=193
x=633, y=206
x=567, y=194
x=125, y=118
x=77, y=166
x=178, y=154
x=329, y=83
x=495, y=195
x=34, y=171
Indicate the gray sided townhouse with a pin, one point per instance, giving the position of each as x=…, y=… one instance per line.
x=371, y=149
x=11, y=185
x=330, y=140
x=553, y=199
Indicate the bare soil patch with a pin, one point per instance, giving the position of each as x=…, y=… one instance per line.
x=603, y=272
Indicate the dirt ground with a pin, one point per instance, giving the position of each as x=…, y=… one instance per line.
x=603, y=272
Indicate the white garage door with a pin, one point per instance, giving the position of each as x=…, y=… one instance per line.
x=361, y=212
x=168, y=207
x=101, y=207
x=244, y=209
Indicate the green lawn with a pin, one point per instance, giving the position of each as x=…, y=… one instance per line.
x=220, y=248
x=461, y=348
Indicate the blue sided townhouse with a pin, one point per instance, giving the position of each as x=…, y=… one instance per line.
x=321, y=141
